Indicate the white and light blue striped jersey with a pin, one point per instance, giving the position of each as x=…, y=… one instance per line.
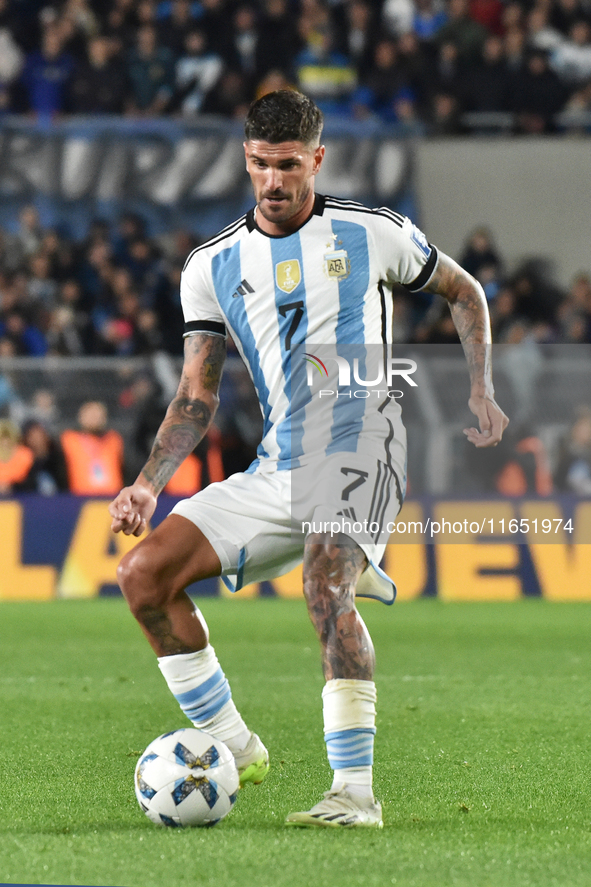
x=327, y=284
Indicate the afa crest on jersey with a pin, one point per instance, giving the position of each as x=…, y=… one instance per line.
x=337, y=264
x=288, y=275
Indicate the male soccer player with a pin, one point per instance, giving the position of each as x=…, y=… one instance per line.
x=298, y=272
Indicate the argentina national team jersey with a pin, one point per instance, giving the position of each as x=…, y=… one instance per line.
x=284, y=299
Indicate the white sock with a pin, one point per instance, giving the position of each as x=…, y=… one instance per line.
x=349, y=730
x=202, y=690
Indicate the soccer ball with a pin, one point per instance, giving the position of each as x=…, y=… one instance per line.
x=186, y=778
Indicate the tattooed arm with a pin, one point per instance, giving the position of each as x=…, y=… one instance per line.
x=186, y=422
x=469, y=311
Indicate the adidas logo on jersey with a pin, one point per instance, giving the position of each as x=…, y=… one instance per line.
x=243, y=289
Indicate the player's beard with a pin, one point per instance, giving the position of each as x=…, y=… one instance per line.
x=286, y=210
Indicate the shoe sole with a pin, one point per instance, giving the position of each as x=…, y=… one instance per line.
x=255, y=773
x=312, y=822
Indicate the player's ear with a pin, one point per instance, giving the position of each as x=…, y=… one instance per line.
x=319, y=153
x=245, y=144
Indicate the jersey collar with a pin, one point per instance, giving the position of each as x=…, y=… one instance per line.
x=317, y=210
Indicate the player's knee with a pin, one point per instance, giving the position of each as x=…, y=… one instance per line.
x=140, y=581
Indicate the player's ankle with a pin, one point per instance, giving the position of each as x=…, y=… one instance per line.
x=238, y=742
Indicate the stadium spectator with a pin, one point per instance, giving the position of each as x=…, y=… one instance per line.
x=576, y=117
x=461, y=30
x=502, y=313
x=357, y=33
x=65, y=332
x=120, y=28
x=384, y=86
x=41, y=408
x=480, y=254
x=571, y=59
x=10, y=402
x=397, y=16
x=243, y=54
x=145, y=13
x=276, y=47
x=22, y=338
x=16, y=459
x=574, y=314
x=230, y=97
x=536, y=95
x=196, y=73
x=489, y=14
x=447, y=75
x=29, y=234
x=573, y=471
x=41, y=286
x=428, y=19
x=47, y=75
x=565, y=13
x=325, y=74
x=519, y=466
x=77, y=24
x=541, y=34
x=47, y=475
x=99, y=85
x=214, y=21
x=150, y=68
x=11, y=252
x=488, y=86
x=93, y=453
x=59, y=253
x=274, y=79
x=173, y=28
x=414, y=62
x=444, y=118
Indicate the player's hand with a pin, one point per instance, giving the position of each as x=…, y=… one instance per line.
x=132, y=509
x=491, y=419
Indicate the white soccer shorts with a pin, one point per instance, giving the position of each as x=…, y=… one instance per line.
x=257, y=522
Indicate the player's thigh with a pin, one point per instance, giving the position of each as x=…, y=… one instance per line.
x=175, y=554
x=247, y=520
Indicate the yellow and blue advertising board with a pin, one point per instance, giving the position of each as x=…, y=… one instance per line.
x=62, y=547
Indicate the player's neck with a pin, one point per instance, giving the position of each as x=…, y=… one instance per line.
x=279, y=229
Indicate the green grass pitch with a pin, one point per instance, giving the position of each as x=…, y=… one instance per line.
x=482, y=750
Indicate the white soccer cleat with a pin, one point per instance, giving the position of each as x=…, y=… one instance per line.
x=339, y=809
x=376, y=584
x=252, y=762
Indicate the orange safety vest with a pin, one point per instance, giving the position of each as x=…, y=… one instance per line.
x=94, y=462
x=17, y=467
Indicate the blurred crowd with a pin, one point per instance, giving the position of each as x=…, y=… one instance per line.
x=90, y=457
x=417, y=64
x=115, y=293
x=42, y=454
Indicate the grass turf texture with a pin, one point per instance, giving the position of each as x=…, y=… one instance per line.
x=481, y=753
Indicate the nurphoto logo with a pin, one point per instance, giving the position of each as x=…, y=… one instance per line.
x=384, y=371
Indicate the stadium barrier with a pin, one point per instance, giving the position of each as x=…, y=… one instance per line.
x=458, y=550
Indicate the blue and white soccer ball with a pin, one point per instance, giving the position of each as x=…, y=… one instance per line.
x=186, y=778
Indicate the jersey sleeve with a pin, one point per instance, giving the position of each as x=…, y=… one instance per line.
x=201, y=310
x=404, y=254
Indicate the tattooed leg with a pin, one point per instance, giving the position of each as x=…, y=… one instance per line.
x=153, y=577
x=331, y=571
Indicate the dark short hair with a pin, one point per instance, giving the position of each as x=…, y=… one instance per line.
x=284, y=116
